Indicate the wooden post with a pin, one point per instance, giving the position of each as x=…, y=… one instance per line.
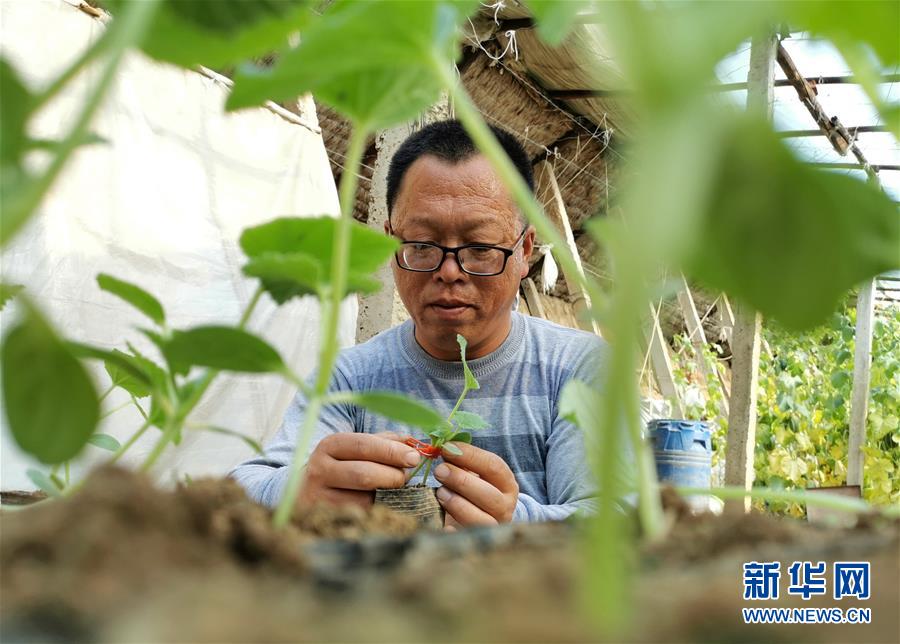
x=741, y=440
x=548, y=192
x=384, y=309
x=859, y=399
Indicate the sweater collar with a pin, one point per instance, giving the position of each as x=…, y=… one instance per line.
x=453, y=370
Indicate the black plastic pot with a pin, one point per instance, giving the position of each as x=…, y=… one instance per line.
x=418, y=501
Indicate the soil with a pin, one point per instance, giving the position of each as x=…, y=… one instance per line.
x=122, y=561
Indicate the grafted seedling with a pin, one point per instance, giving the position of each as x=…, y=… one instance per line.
x=456, y=427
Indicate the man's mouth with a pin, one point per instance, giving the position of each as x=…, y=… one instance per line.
x=450, y=308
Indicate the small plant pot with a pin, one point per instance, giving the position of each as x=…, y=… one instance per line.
x=417, y=501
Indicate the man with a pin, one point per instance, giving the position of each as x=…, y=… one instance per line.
x=465, y=249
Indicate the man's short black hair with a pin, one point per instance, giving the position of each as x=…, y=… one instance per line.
x=449, y=141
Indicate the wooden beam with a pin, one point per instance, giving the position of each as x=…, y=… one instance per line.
x=877, y=167
x=698, y=340
x=662, y=363
x=533, y=299
x=859, y=398
x=576, y=94
x=855, y=129
x=740, y=442
x=841, y=140
x=550, y=196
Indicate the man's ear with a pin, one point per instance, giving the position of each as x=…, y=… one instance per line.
x=527, y=249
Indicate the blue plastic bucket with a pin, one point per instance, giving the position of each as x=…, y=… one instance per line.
x=683, y=452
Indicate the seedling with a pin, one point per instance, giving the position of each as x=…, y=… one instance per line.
x=454, y=428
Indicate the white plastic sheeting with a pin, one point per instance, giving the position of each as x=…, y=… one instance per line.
x=162, y=205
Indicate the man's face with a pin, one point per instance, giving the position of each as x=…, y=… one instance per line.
x=452, y=205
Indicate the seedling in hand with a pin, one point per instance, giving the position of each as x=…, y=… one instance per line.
x=454, y=428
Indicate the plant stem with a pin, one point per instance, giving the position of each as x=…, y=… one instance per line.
x=418, y=467
x=115, y=409
x=292, y=488
x=427, y=471
x=459, y=402
x=139, y=408
x=185, y=407
x=131, y=441
x=126, y=30
x=331, y=307
x=251, y=305
x=106, y=393
x=89, y=54
x=831, y=501
x=650, y=512
x=168, y=432
x=67, y=474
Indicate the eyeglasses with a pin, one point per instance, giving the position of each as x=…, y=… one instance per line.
x=475, y=259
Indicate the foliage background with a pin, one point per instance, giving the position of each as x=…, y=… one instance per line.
x=803, y=410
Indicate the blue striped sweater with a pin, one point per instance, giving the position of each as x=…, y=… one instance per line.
x=520, y=386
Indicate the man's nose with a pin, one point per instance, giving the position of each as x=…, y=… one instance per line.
x=449, y=270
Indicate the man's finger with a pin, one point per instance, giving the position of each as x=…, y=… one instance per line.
x=369, y=447
x=486, y=465
x=364, y=475
x=450, y=524
x=463, y=511
x=347, y=497
x=478, y=491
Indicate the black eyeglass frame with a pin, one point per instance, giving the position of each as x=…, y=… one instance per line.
x=507, y=253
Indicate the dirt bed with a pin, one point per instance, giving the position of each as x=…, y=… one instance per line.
x=122, y=561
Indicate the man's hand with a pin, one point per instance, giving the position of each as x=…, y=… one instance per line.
x=347, y=468
x=478, y=487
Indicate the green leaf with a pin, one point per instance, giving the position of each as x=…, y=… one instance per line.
x=453, y=449
x=397, y=407
x=139, y=387
x=471, y=382
x=218, y=33
x=842, y=356
x=105, y=441
x=15, y=108
x=292, y=256
x=287, y=275
x=51, y=403
x=462, y=437
x=442, y=433
x=468, y=420
x=555, y=18
x=387, y=74
x=134, y=295
x=126, y=367
x=224, y=348
x=8, y=292
x=254, y=445
x=44, y=483
x=840, y=378
x=176, y=367
x=786, y=238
